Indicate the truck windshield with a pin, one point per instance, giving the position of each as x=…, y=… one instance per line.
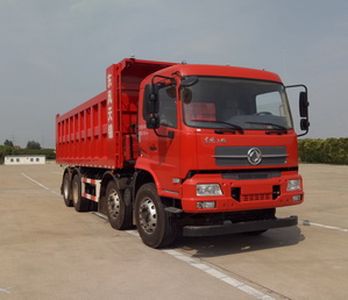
x=213, y=102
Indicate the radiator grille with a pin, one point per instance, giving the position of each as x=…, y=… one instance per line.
x=238, y=155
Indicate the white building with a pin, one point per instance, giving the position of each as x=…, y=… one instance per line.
x=25, y=160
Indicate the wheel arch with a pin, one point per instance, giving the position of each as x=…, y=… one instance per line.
x=141, y=177
x=107, y=177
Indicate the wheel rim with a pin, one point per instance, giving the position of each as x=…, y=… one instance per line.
x=75, y=192
x=66, y=188
x=148, y=215
x=114, y=204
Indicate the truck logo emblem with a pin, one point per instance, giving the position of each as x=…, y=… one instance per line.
x=214, y=140
x=254, y=156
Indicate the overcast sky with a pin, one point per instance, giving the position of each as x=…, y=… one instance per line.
x=54, y=53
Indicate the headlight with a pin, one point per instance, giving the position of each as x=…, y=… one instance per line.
x=293, y=185
x=212, y=189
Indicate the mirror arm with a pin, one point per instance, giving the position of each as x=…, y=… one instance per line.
x=304, y=133
x=161, y=76
x=297, y=85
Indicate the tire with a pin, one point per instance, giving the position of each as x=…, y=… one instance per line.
x=66, y=190
x=118, y=212
x=156, y=227
x=80, y=204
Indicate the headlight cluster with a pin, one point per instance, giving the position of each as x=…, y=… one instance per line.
x=293, y=185
x=211, y=189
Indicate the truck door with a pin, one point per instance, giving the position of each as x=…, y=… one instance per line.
x=161, y=148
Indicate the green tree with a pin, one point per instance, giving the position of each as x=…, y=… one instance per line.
x=327, y=151
x=33, y=145
x=8, y=143
x=5, y=150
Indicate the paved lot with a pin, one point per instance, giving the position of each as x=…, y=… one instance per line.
x=48, y=251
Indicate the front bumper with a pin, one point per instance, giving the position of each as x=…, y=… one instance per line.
x=230, y=228
x=254, y=194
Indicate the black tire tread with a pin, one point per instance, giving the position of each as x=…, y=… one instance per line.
x=168, y=232
x=67, y=201
x=82, y=204
x=124, y=220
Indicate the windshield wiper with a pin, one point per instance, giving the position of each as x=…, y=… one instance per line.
x=221, y=130
x=269, y=124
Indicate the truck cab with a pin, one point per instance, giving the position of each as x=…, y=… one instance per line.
x=220, y=140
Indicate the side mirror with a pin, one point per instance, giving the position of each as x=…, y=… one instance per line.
x=303, y=105
x=151, y=101
x=152, y=107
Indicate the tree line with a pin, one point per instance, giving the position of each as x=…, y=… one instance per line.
x=32, y=148
x=324, y=151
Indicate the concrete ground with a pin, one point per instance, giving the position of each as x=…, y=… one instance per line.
x=49, y=251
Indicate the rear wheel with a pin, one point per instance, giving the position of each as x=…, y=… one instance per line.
x=118, y=211
x=157, y=228
x=67, y=190
x=80, y=204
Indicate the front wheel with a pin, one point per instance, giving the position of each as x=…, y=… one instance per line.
x=156, y=227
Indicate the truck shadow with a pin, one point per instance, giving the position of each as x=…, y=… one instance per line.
x=239, y=243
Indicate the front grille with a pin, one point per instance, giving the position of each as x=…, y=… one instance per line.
x=238, y=155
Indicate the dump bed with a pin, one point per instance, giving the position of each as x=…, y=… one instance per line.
x=101, y=132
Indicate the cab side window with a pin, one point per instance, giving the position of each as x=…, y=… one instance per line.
x=167, y=106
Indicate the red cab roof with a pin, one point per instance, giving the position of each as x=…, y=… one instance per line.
x=223, y=71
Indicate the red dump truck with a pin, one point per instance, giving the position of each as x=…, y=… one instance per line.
x=183, y=149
